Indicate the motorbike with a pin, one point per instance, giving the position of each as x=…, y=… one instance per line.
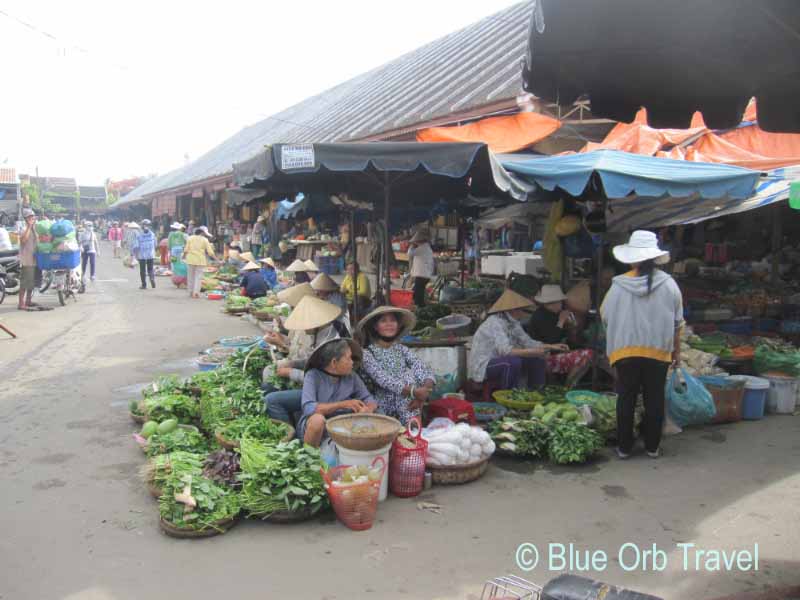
x=9, y=272
x=68, y=283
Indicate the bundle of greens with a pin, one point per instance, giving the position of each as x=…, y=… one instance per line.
x=170, y=405
x=234, y=301
x=257, y=427
x=215, y=411
x=572, y=442
x=179, y=439
x=163, y=466
x=222, y=467
x=164, y=384
x=521, y=437
x=285, y=477
x=252, y=363
x=194, y=502
x=279, y=383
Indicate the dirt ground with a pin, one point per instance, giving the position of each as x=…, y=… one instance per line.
x=77, y=524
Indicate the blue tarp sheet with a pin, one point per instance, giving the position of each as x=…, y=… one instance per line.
x=623, y=174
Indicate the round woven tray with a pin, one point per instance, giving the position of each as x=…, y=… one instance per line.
x=141, y=419
x=180, y=532
x=237, y=311
x=262, y=315
x=231, y=444
x=458, y=474
x=383, y=431
x=286, y=516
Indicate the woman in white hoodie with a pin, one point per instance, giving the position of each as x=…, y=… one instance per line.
x=643, y=314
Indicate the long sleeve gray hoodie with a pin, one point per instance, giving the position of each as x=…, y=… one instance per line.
x=639, y=324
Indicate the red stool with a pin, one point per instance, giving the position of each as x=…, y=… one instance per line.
x=455, y=409
x=480, y=391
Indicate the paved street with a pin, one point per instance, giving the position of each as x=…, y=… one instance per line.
x=77, y=524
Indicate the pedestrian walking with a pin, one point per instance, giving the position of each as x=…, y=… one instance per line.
x=115, y=237
x=643, y=314
x=195, y=255
x=27, y=260
x=144, y=249
x=89, y=249
x=256, y=236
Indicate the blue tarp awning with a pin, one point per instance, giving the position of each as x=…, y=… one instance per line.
x=623, y=174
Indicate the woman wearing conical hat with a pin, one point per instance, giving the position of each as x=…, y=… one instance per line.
x=501, y=350
x=312, y=322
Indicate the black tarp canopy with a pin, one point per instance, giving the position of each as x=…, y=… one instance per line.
x=385, y=173
x=671, y=56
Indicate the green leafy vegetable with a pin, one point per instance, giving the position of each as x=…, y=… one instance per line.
x=180, y=439
x=528, y=437
x=572, y=442
x=169, y=405
x=214, y=503
x=259, y=428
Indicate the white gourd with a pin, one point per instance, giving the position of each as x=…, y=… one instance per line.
x=444, y=448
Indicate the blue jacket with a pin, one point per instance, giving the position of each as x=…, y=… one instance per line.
x=270, y=276
x=254, y=284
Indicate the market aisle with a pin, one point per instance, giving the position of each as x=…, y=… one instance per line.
x=78, y=525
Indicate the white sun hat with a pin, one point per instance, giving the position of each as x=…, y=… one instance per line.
x=642, y=246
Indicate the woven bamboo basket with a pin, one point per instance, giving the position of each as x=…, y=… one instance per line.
x=237, y=311
x=155, y=492
x=231, y=444
x=364, y=432
x=458, y=474
x=141, y=419
x=219, y=527
x=262, y=315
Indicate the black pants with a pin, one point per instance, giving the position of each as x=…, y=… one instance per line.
x=649, y=376
x=420, y=283
x=146, y=267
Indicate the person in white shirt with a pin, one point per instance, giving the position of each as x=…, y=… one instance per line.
x=89, y=249
x=420, y=256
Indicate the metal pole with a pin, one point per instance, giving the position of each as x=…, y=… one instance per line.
x=596, y=332
x=777, y=234
x=462, y=229
x=354, y=256
x=388, y=241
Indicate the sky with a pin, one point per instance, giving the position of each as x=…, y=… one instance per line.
x=115, y=89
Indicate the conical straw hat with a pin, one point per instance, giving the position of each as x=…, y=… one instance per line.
x=251, y=266
x=294, y=294
x=312, y=313
x=297, y=266
x=248, y=256
x=268, y=261
x=510, y=300
x=311, y=266
x=405, y=318
x=323, y=283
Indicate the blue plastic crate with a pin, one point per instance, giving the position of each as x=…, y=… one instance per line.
x=58, y=260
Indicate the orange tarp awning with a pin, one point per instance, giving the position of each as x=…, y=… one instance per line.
x=502, y=134
x=748, y=146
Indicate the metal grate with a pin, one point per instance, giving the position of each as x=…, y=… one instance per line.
x=510, y=587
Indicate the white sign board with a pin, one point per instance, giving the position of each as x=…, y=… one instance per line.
x=300, y=156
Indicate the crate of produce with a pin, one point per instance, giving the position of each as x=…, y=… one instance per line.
x=401, y=298
x=58, y=260
x=328, y=264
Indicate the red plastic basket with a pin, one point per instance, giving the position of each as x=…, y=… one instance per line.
x=453, y=408
x=401, y=298
x=354, y=505
x=407, y=465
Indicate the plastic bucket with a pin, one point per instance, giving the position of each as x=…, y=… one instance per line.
x=362, y=457
x=755, y=396
x=782, y=396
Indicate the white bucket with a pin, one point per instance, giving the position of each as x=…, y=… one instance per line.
x=782, y=395
x=363, y=457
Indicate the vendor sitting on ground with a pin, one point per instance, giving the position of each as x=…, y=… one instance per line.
x=300, y=270
x=331, y=388
x=553, y=323
x=311, y=323
x=269, y=273
x=252, y=282
x=327, y=289
x=348, y=288
x=502, y=353
x=401, y=382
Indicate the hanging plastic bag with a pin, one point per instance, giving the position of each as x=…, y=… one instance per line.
x=690, y=403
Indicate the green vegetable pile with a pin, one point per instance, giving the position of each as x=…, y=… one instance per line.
x=171, y=405
x=572, y=443
x=555, y=435
x=179, y=439
x=236, y=302
x=282, y=477
x=163, y=466
x=429, y=314
x=194, y=502
x=260, y=428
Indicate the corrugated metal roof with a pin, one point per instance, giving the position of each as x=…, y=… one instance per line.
x=470, y=68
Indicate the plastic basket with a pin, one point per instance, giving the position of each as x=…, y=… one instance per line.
x=401, y=298
x=728, y=395
x=407, y=465
x=738, y=327
x=58, y=260
x=355, y=505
